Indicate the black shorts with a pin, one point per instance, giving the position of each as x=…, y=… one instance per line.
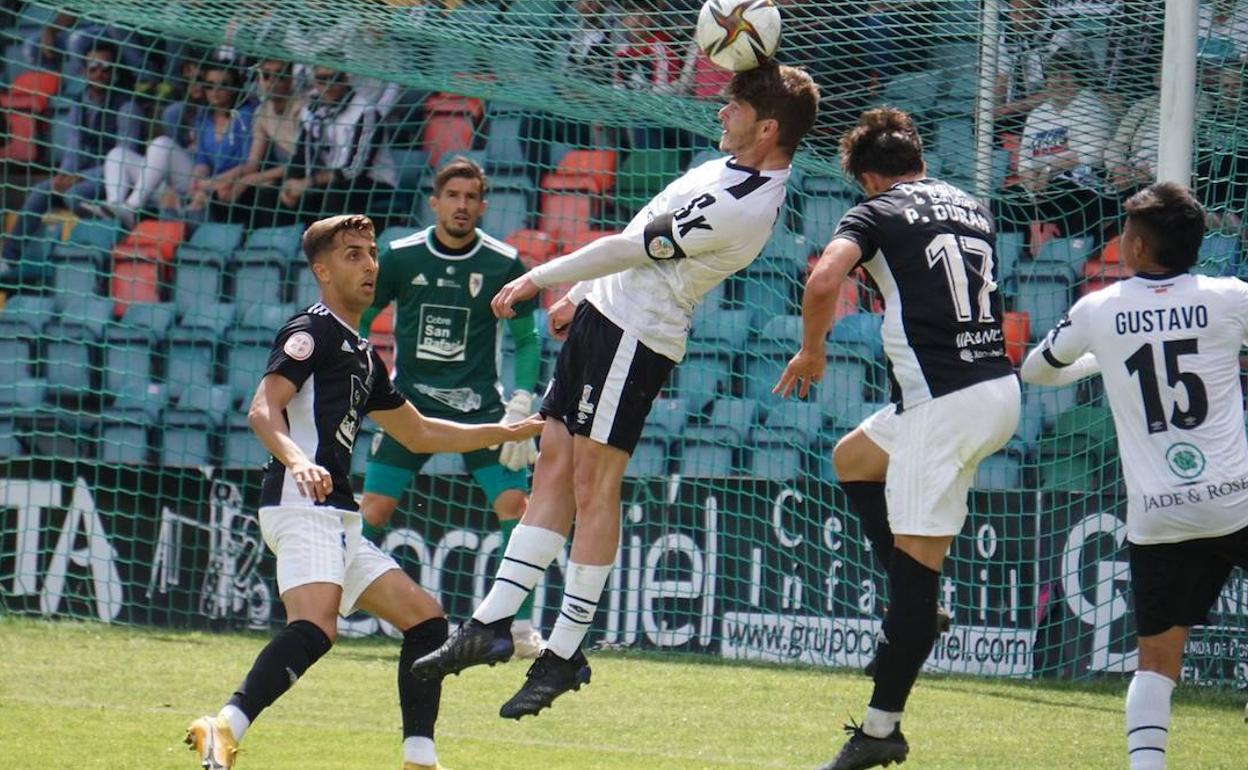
x=1175, y=584
x=605, y=381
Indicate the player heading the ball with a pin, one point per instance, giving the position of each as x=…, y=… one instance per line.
x=626, y=323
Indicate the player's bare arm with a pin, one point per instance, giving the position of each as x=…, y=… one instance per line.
x=427, y=435
x=269, y=424
x=818, y=307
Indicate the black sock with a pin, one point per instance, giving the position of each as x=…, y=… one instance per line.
x=866, y=498
x=909, y=631
x=282, y=661
x=419, y=701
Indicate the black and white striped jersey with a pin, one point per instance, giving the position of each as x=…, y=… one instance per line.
x=929, y=248
x=340, y=378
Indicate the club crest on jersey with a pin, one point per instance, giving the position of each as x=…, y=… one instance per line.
x=661, y=247
x=475, y=282
x=299, y=346
x=1185, y=460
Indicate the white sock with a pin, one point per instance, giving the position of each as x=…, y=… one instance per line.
x=419, y=750
x=237, y=720
x=529, y=552
x=581, y=592
x=1148, y=720
x=880, y=724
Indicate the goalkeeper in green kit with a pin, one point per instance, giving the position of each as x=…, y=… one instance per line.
x=446, y=341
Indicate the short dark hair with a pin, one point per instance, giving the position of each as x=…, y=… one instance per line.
x=778, y=92
x=323, y=233
x=1171, y=223
x=460, y=168
x=884, y=142
x=100, y=45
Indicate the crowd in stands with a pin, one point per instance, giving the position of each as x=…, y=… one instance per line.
x=139, y=131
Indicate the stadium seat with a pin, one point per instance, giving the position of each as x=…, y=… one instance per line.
x=648, y=460
x=244, y=367
x=535, y=246
x=1069, y=251
x=123, y=439
x=1219, y=255
x=955, y=144
x=706, y=460
x=241, y=448
x=701, y=378
x=858, y=333
x=643, y=175
x=95, y=235
x=412, y=168
x=454, y=104
x=447, y=135
x=503, y=148
x=820, y=217
x=285, y=240
x=69, y=350
x=23, y=107
x=731, y=421
x=92, y=312
x=775, y=461
x=914, y=92
x=508, y=211
x=127, y=361
x=136, y=280
x=149, y=399
x=781, y=335
x=1050, y=402
x=1044, y=298
x=1016, y=326
x=218, y=237
x=197, y=277
x=207, y=315
x=76, y=279
x=1009, y=252
x=796, y=422
x=152, y=235
x=762, y=372
x=265, y=318
x=1075, y=473
x=187, y=440
x=597, y=167
x=25, y=315
x=258, y=276
x=667, y=416
x=843, y=389
x=1001, y=471
x=565, y=212
x=1097, y=275
x=716, y=330
x=63, y=434
x=1079, y=430
x=307, y=290
x=765, y=292
x=191, y=361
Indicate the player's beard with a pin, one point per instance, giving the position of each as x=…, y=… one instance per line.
x=456, y=230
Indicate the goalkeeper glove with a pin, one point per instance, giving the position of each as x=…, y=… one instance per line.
x=518, y=454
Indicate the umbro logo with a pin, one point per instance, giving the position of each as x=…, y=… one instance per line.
x=420, y=280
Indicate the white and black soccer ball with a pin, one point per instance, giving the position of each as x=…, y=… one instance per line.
x=738, y=35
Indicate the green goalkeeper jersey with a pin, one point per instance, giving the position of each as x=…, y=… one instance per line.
x=446, y=337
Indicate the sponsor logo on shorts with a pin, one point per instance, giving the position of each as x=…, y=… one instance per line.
x=586, y=407
x=1185, y=460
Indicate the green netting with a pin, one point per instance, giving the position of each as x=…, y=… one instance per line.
x=142, y=301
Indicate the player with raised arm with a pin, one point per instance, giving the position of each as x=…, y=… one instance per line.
x=928, y=246
x=626, y=323
x=321, y=379
x=441, y=280
x=1167, y=344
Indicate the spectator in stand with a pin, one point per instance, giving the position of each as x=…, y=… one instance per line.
x=341, y=162
x=646, y=60
x=1030, y=40
x=1223, y=29
x=102, y=117
x=222, y=139
x=1222, y=150
x=274, y=136
x=1061, y=162
x=46, y=48
x=132, y=182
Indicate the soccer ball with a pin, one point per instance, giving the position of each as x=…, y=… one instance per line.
x=738, y=35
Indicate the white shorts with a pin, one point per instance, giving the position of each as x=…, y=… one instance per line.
x=316, y=544
x=934, y=449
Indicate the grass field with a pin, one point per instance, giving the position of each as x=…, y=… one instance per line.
x=75, y=695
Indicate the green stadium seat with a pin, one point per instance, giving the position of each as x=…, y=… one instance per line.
x=700, y=379
x=10, y=445
x=765, y=292
x=244, y=367
x=787, y=251
x=123, y=439
x=191, y=362
x=206, y=316
x=1001, y=471
x=1009, y=252
x=258, y=276
x=1044, y=298
x=197, y=276
x=503, y=148
x=762, y=372
x=241, y=448
x=716, y=330
x=643, y=175
x=265, y=318
x=127, y=362
x=858, y=334
x=1076, y=473
x=776, y=461
x=730, y=422
x=845, y=384
x=1084, y=429
x=700, y=460
x=914, y=92
x=781, y=335
x=25, y=315
x=76, y=278
x=96, y=235
x=63, y=434
x=955, y=144
x=648, y=460
x=667, y=417
x=1069, y=251
x=412, y=167
x=508, y=211
x=70, y=351
x=820, y=217
x=187, y=440
x=1219, y=255
x=795, y=422
x=218, y=237
x=149, y=399
x=307, y=290
x=284, y=240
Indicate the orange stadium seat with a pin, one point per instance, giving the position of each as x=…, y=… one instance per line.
x=597, y=166
x=383, y=324
x=454, y=104
x=1016, y=325
x=447, y=134
x=571, y=241
x=565, y=213
x=1109, y=254
x=23, y=105
x=1098, y=274
x=535, y=246
x=135, y=280
x=143, y=261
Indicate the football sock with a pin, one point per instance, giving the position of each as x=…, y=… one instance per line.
x=278, y=666
x=525, y=613
x=582, y=590
x=866, y=498
x=236, y=719
x=880, y=724
x=419, y=750
x=1148, y=720
x=529, y=552
x=909, y=631
x=419, y=701
x=373, y=534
